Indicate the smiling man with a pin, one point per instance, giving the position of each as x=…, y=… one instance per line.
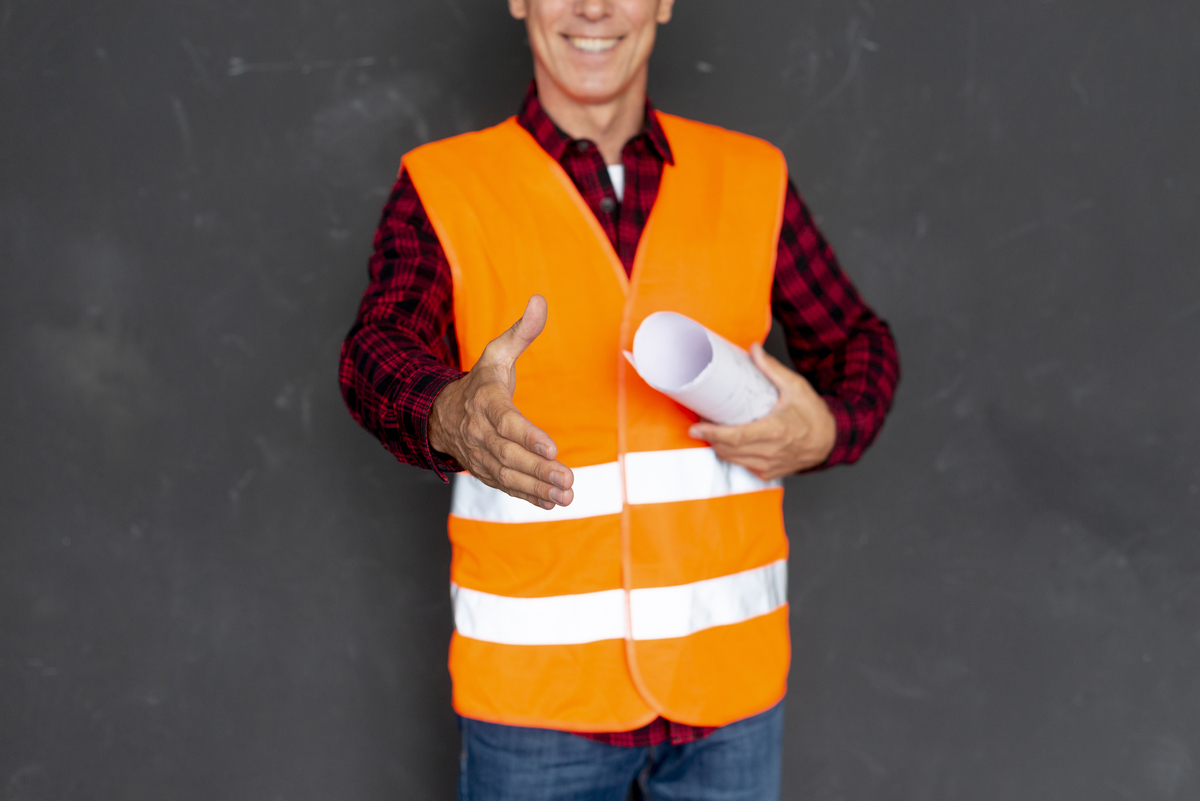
x=619, y=570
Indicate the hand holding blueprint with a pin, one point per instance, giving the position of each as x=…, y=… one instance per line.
x=701, y=370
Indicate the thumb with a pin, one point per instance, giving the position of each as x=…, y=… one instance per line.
x=513, y=342
x=772, y=368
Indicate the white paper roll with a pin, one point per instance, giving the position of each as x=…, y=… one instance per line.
x=701, y=370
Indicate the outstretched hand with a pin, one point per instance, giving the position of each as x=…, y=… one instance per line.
x=798, y=433
x=474, y=420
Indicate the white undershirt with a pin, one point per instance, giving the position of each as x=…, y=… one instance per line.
x=616, y=174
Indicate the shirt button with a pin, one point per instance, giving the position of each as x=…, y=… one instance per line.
x=607, y=205
x=582, y=145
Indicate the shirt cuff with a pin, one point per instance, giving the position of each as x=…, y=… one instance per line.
x=847, y=433
x=418, y=414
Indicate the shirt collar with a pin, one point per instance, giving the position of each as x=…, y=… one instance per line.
x=554, y=140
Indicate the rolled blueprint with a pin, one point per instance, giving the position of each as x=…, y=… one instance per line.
x=701, y=370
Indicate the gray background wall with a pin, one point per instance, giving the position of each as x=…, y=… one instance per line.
x=213, y=585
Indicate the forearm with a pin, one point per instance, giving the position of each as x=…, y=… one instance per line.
x=835, y=340
x=858, y=380
x=400, y=352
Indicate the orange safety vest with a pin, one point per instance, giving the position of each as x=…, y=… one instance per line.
x=661, y=590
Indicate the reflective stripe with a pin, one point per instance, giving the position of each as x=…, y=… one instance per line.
x=556, y=620
x=597, y=492
x=657, y=612
x=688, y=474
x=662, y=612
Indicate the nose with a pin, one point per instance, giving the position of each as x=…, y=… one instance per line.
x=592, y=10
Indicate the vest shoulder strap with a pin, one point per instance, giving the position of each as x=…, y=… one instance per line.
x=498, y=152
x=702, y=142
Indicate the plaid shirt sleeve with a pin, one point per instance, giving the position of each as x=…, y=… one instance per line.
x=401, y=351
x=835, y=341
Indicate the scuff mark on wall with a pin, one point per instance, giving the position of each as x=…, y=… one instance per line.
x=185, y=134
x=239, y=66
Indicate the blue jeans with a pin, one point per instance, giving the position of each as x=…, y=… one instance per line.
x=738, y=762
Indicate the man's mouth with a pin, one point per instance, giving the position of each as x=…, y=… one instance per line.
x=589, y=44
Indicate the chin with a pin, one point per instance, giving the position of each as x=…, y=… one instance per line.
x=596, y=89
x=592, y=96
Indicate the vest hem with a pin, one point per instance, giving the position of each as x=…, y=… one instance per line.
x=683, y=721
x=571, y=727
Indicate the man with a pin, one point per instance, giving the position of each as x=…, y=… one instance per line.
x=619, y=571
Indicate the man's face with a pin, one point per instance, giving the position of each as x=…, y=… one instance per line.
x=591, y=49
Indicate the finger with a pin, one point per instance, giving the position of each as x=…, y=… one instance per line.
x=494, y=403
x=513, y=456
x=520, y=443
x=758, y=431
x=520, y=484
x=710, y=432
x=756, y=450
x=491, y=471
x=513, y=342
x=513, y=425
x=510, y=456
x=746, y=457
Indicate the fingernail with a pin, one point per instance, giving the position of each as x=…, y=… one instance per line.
x=559, y=479
x=547, y=505
x=538, y=448
x=694, y=432
x=556, y=495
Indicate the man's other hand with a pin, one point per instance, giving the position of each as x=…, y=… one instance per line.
x=474, y=420
x=797, y=434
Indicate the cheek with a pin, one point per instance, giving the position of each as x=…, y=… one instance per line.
x=540, y=26
x=643, y=44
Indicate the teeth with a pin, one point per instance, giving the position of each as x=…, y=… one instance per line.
x=591, y=45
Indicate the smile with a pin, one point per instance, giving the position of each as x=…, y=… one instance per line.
x=593, y=45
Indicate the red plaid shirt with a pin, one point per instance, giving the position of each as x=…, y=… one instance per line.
x=402, y=350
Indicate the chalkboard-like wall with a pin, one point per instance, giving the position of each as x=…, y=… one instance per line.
x=213, y=585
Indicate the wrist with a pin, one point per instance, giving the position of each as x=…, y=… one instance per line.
x=830, y=432
x=436, y=433
x=843, y=431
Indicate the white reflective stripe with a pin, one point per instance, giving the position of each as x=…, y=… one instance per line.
x=597, y=492
x=657, y=613
x=661, y=612
x=556, y=620
x=689, y=474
